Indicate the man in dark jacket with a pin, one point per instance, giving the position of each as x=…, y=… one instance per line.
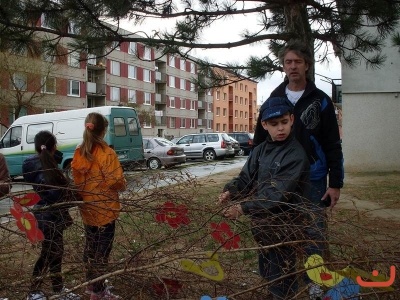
x=316, y=128
x=275, y=182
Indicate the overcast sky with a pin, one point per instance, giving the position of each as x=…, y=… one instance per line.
x=228, y=31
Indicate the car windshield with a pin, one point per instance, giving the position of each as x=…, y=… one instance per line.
x=164, y=142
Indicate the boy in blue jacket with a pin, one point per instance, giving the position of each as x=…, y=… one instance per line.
x=272, y=189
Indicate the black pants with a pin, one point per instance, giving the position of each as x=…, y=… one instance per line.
x=99, y=241
x=50, y=257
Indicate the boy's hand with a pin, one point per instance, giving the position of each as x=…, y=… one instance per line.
x=224, y=197
x=334, y=194
x=233, y=212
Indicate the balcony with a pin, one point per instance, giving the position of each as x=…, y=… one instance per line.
x=161, y=77
x=93, y=88
x=202, y=122
x=161, y=121
x=96, y=63
x=161, y=99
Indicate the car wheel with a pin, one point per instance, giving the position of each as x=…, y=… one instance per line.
x=209, y=155
x=241, y=152
x=154, y=163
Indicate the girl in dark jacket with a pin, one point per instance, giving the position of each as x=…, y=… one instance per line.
x=41, y=170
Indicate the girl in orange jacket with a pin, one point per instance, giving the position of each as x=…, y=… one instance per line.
x=99, y=177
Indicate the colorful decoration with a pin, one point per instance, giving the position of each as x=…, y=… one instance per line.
x=346, y=289
x=210, y=269
x=320, y=273
x=353, y=273
x=173, y=215
x=27, y=199
x=223, y=234
x=27, y=223
x=206, y=297
x=168, y=287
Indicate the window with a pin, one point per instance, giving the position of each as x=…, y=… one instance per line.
x=236, y=113
x=48, y=55
x=224, y=112
x=146, y=75
x=241, y=86
x=245, y=114
x=236, y=127
x=182, y=84
x=115, y=68
x=172, y=102
x=241, y=114
x=49, y=85
x=192, y=68
x=132, y=96
x=73, y=88
x=224, y=96
x=114, y=93
x=147, y=53
x=44, y=22
x=236, y=99
x=218, y=127
x=12, y=137
x=241, y=100
x=218, y=111
x=20, y=81
x=209, y=92
x=192, y=104
x=183, y=123
x=73, y=60
x=209, y=124
x=171, y=61
x=171, y=81
x=132, y=48
x=209, y=107
x=192, y=87
x=133, y=126
x=171, y=122
x=115, y=45
x=183, y=64
x=236, y=85
x=218, y=95
x=183, y=103
x=34, y=129
x=245, y=88
x=245, y=101
x=224, y=127
x=132, y=72
x=147, y=98
x=192, y=123
x=119, y=126
x=73, y=28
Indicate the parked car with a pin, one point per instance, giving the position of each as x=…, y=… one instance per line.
x=160, y=152
x=245, y=140
x=209, y=146
x=236, y=147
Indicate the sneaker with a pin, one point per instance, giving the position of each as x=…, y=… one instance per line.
x=38, y=295
x=104, y=295
x=315, y=292
x=68, y=295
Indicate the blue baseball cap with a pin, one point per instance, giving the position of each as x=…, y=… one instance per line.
x=275, y=107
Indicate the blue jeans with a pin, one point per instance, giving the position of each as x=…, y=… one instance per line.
x=316, y=231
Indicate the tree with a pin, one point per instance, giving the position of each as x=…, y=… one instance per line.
x=26, y=83
x=341, y=25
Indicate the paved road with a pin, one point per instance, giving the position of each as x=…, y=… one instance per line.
x=142, y=179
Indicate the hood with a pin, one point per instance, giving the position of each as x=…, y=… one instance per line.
x=30, y=167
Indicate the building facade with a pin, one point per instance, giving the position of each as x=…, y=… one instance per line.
x=161, y=88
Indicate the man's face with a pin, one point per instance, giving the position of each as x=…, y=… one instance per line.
x=295, y=67
x=279, y=128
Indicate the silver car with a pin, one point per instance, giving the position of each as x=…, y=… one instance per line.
x=160, y=152
x=208, y=146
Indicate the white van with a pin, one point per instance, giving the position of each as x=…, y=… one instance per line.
x=123, y=135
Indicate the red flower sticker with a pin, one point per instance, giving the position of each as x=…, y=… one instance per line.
x=174, y=215
x=27, y=199
x=169, y=287
x=27, y=223
x=223, y=234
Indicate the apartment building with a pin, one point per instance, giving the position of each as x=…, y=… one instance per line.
x=235, y=104
x=160, y=87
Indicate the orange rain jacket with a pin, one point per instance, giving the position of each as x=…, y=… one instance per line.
x=98, y=182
